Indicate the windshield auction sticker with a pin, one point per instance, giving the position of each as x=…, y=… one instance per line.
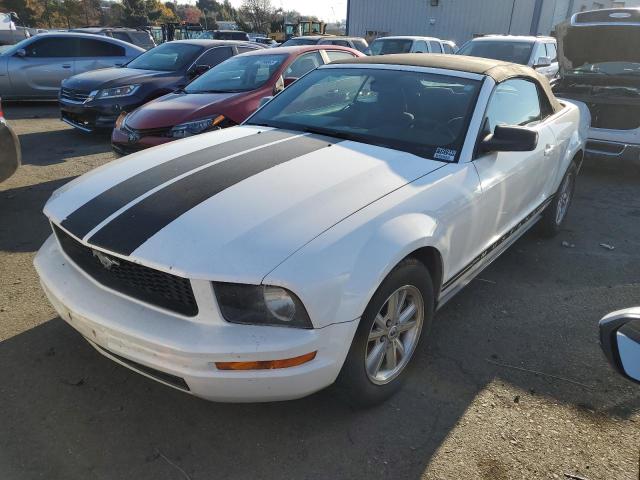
x=445, y=154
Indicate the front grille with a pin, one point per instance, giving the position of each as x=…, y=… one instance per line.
x=73, y=95
x=152, y=372
x=146, y=284
x=147, y=132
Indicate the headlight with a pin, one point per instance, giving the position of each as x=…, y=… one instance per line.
x=196, y=127
x=125, y=91
x=261, y=305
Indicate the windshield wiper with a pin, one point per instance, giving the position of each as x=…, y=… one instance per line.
x=331, y=133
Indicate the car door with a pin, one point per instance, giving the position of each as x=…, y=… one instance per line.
x=552, y=53
x=539, y=53
x=92, y=54
x=514, y=184
x=47, y=61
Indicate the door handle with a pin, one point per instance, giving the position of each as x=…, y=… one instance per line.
x=66, y=66
x=548, y=150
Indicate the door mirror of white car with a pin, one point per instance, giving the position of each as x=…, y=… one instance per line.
x=510, y=139
x=620, y=342
x=543, y=62
x=21, y=52
x=264, y=100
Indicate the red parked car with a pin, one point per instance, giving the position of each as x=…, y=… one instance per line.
x=222, y=97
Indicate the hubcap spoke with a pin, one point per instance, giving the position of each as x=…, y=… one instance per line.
x=392, y=306
x=399, y=346
x=375, y=358
x=380, y=322
x=392, y=359
x=404, y=327
x=376, y=334
x=402, y=297
x=407, y=314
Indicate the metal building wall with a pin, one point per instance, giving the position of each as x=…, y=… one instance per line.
x=457, y=20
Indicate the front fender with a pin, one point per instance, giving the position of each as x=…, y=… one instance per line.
x=334, y=284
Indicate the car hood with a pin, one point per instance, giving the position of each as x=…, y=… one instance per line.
x=114, y=77
x=228, y=205
x=176, y=108
x=582, y=44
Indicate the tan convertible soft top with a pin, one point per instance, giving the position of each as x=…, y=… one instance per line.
x=496, y=69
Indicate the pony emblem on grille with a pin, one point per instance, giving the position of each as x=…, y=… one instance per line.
x=105, y=261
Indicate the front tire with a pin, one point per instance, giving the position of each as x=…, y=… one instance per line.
x=389, y=333
x=554, y=216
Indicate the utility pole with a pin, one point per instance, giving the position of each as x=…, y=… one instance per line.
x=513, y=7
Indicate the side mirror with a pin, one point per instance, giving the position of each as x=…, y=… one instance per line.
x=264, y=100
x=279, y=86
x=510, y=139
x=199, y=70
x=289, y=80
x=620, y=341
x=21, y=52
x=543, y=62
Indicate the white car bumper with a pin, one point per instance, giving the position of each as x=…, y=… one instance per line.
x=182, y=352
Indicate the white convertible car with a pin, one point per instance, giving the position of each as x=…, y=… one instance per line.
x=312, y=244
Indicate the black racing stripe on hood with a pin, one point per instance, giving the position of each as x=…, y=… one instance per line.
x=96, y=210
x=135, y=226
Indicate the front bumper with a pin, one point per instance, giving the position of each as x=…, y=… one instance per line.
x=182, y=352
x=122, y=144
x=607, y=149
x=96, y=114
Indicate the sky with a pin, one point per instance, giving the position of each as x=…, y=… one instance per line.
x=327, y=10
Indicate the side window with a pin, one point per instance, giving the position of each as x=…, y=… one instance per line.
x=338, y=55
x=552, y=52
x=448, y=48
x=539, y=51
x=342, y=43
x=435, y=47
x=97, y=48
x=214, y=56
x=52, y=47
x=420, y=46
x=303, y=64
x=513, y=102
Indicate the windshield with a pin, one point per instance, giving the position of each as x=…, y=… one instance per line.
x=292, y=42
x=386, y=46
x=238, y=74
x=608, y=68
x=508, y=51
x=422, y=113
x=167, y=57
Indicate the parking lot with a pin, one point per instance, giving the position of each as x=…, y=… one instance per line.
x=512, y=383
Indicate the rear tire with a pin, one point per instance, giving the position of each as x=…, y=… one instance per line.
x=554, y=216
x=386, y=339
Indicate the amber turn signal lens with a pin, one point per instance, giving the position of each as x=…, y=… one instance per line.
x=120, y=119
x=217, y=120
x=267, y=364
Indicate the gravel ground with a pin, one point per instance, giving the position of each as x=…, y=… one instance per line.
x=512, y=384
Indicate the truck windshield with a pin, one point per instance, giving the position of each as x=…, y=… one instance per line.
x=507, y=51
x=386, y=46
x=422, y=113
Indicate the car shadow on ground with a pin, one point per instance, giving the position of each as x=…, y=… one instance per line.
x=61, y=145
x=35, y=109
x=21, y=213
x=76, y=414
x=81, y=413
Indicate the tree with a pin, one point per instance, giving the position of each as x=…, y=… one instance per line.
x=134, y=13
x=258, y=14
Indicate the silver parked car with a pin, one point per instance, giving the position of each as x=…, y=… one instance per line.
x=35, y=67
